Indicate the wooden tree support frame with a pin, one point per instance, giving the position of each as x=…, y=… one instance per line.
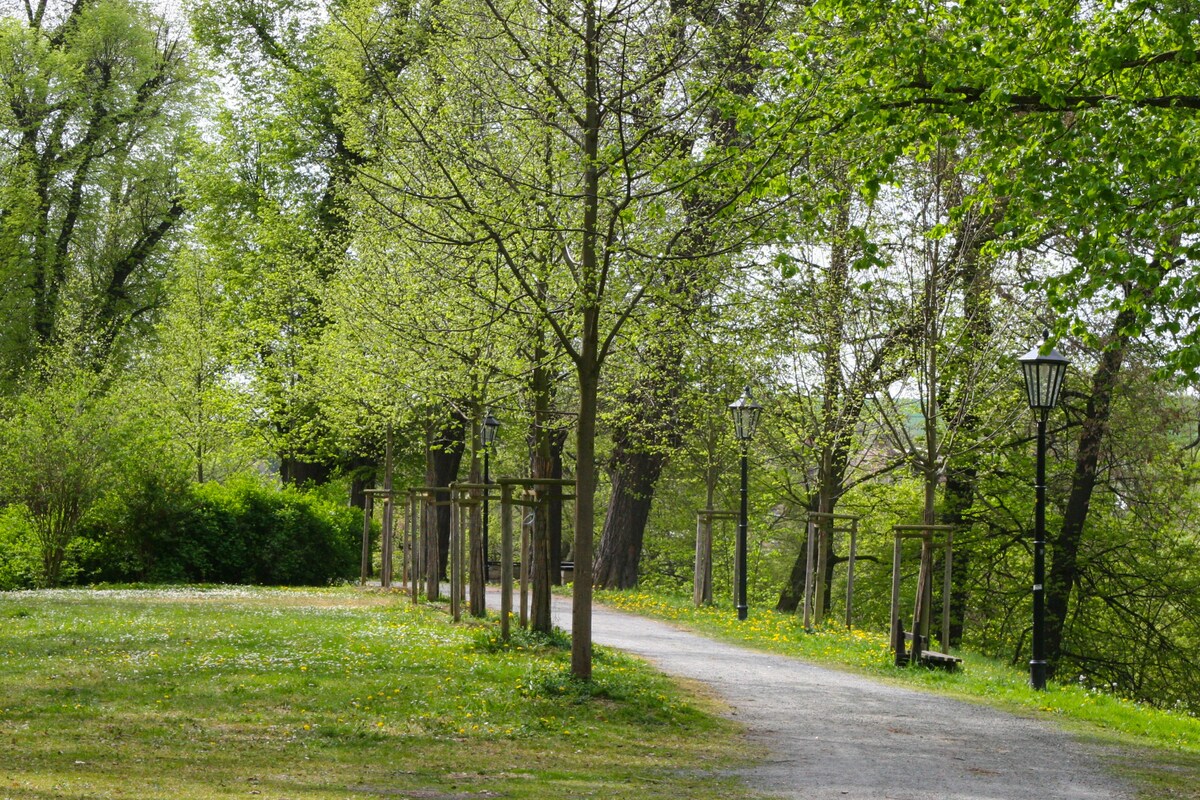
x=385, y=542
x=425, y=540
x=416, y=541
x=702, y=582
x=422, y=540
x=385, y=547
x=471, y=560
x=507, y=503
x=820, y=529
x=924, y=598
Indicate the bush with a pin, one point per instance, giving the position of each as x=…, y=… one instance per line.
x=20, y=563
x=243, y=531
x=56, y=437
x=251, y=533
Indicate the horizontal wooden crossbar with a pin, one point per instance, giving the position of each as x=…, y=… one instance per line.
x=718, y=514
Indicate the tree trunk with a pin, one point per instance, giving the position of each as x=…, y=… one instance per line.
x=296, y=471
x=633, y=480
x=588, y=359
x=540, y=467
x=839, y=416
x=477, y=558
x=445, y=443
x=362, y=477
x=793, y=592
x=961, y=471
x=960, y=495
x=1064, y=554
x=585, y=522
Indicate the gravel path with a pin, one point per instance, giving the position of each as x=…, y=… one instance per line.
x=836, y=735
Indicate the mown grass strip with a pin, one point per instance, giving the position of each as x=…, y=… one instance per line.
x=221, y=693
x=1159, y=749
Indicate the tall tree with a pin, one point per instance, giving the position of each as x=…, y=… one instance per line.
x=288, y=160
x=95, y=107
x=1080, y=113
x=187, y=384
x=468, y=145
x=650, y=423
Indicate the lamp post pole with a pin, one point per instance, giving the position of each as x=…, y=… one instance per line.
x=1044, y=374
x=486, y=482
x=1037, y=666
x=743, y=530
x=745, y=413
x=487, y=435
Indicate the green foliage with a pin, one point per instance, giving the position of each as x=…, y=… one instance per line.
x=56, y=438
x=1084, y=119
x=19, y=561
x=243, y=532
x=186, y=388
x=488, y=640
x=97, y=101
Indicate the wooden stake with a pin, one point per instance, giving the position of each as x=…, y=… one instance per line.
x=506, y=560
x=455, y=556
x=822, y=568
x=702, y=580
x=850, y=573
x=949, y=557
x=368, y=512
x=524, y=574
x=385, y=567
x=897, y=629
x=810, y=545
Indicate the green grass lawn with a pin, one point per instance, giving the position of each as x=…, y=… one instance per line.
x=1158, y=750
x=338, y=693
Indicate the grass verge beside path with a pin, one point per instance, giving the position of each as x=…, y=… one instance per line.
x=339, y=693
x=1161, y=748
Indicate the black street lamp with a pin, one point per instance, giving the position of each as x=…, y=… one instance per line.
x=1044, y=375
x=487, y=435
x=745, y=413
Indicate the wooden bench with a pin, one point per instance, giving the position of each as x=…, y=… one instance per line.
x=932, y=658
x=928, y=658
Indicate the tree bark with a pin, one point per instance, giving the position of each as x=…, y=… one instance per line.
x=1064, y=554
x=589, y=359
x=445, y=444
x=477, y=557
x=633, y=480
x=585, y=505
x=541, y=466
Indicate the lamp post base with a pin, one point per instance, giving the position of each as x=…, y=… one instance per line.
x=742, y=612
x=1037, y=674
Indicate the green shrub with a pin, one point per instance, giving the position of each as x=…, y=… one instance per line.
x=20, y=563
x=244, y=531
x=133, y=533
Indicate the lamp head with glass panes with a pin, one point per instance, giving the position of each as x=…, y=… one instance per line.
x=1044, y=375
x=745, y=411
